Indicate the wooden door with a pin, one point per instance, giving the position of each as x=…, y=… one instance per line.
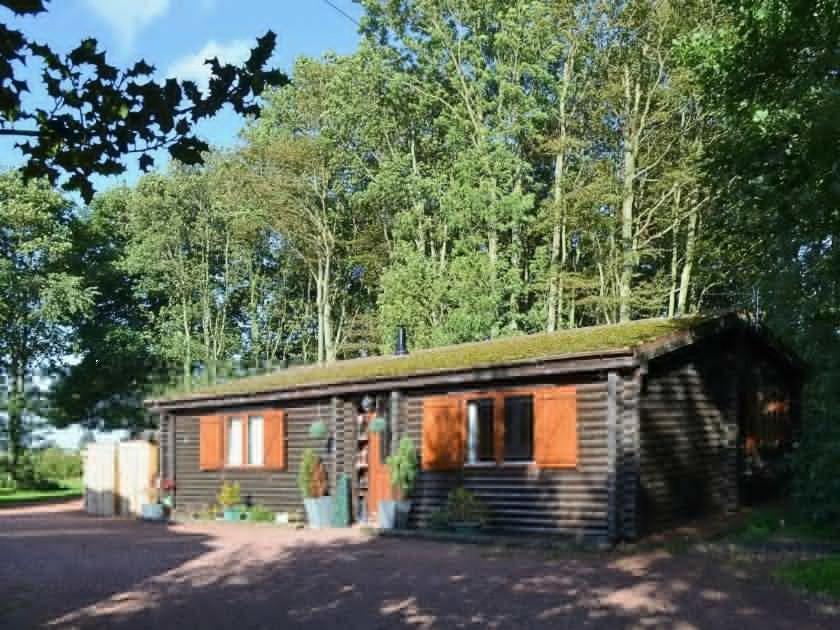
x=379, y=478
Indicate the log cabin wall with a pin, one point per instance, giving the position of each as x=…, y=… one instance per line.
x=570, y=502
x=275, y=489
x=688, y=434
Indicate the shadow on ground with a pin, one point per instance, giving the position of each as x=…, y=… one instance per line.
x=118, y=574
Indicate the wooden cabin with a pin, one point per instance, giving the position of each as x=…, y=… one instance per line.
x=602, y=433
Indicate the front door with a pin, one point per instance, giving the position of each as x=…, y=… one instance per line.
x=379, y=481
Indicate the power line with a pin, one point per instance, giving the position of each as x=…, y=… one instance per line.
x=343, y=12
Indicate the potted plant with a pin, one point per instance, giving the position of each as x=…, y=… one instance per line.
x=402, y=467
x=229, y=498
x=312, y=482
x=466, y=512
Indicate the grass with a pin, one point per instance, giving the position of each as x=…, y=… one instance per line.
x=779, y=522
x=816, y=576
x=502, y=351
x=70, y=489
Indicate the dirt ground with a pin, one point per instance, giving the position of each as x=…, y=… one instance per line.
x=62, y=569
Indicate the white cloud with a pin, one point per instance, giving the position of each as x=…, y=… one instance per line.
x=193, y=68
x=128, y=17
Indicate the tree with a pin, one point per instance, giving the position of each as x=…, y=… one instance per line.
x=38, y=293
x=99, y=113
x=300, y=179
x=116, y=354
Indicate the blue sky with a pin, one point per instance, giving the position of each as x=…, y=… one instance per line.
x=175, y=36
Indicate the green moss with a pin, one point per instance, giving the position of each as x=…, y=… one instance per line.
x=463, y=356
x=816, y=576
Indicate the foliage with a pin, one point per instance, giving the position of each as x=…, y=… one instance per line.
x=229, y=494
x=403, y=466
x=439, y=520
x=816, y=487
x=95, y=113
x=260, y=514
x=68, y=489
x=783, y=521
x=467, y=355
x=462, y=506
x=55, y=463
x=29, y=474
x=39, y=294
x=818, y=576
x=306, y=473
x=7, y=483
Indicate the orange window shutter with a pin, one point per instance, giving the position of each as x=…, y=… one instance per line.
x=211, y=443
x=555, y=427
x=443, y=433
x=274, y=444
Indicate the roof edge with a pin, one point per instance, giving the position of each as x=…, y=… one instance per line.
x=585, y=362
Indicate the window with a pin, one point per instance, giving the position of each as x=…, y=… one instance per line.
x=234, y=442
x=480, y=431
x=255, y=441
x=519, y=428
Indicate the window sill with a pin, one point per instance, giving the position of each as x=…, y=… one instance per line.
x=522, y=464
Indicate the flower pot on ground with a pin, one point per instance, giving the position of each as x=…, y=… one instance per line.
x=312, y=482
x=402, y=467
x=466, y=513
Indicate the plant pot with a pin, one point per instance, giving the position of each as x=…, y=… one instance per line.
x=465, y=527
x=394, y=514
x=231, y=514
x=152, y=512
x=387, y=515
x=318, y=512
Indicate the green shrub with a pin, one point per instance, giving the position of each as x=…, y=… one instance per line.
x=403, y=467
x=54, y=463
x=439, y=520
x=7, y=483
x=229, y=494
x=816, y=484
x=306, y=474
x=28, y=475
x=463, y=506
x=260, y=514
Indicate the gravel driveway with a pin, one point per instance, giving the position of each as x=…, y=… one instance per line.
x=60, y=568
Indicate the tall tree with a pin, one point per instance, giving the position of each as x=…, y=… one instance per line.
x=38, y=293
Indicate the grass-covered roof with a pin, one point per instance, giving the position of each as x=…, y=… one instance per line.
x=479, y=354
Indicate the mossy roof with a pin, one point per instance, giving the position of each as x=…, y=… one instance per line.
x=475, y=355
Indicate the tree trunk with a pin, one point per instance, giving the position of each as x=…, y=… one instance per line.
x=15, y=413
x=627, y=250
x=690, y=244
x=672, y=294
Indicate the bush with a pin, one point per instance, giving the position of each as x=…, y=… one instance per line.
x=439, y=520
x=816, y=484
x=403, y=467
x=229, y=494
x=463, y=506
x=54, y=463
x=28, y=475
x=260, y=514
x=7, y=483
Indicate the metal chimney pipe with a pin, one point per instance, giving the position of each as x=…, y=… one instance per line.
x=402, y=346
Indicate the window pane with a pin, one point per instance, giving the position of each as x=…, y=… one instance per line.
x=519, y=428
x=480, y=431
x=255, y=440
x=234, y=440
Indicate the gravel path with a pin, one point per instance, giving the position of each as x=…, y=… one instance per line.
x=62, y=569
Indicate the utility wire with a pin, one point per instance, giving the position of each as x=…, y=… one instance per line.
x=343, y=12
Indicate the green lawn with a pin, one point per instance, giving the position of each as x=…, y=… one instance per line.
x=778, y=522
x=71, y=488
x=817, y=576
